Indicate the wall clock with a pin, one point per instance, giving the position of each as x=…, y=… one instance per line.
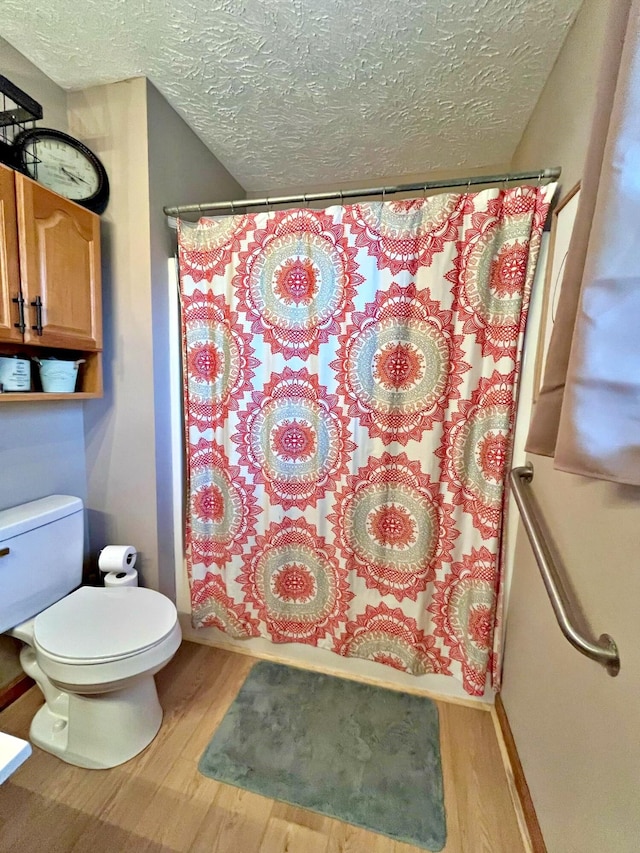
x=64, y=165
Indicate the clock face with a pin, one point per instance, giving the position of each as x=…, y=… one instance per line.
x=61, y=167
x=62, y=164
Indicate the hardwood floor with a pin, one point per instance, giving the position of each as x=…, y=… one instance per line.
x=159, y=802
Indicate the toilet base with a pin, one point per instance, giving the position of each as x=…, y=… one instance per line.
x=102, y=730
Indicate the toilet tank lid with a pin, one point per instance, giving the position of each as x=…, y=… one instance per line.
x=29, y=516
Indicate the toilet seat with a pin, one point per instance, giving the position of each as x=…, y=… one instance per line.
x=94, y=625
x=96, y=640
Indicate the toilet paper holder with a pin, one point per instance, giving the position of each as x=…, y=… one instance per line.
x=117, y=558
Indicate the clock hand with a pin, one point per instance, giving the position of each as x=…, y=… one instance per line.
x=73, y=177
x=69, y=174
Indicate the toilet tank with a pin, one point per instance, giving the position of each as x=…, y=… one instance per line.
x=41, y=547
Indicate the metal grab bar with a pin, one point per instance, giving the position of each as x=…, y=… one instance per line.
x=604, y=651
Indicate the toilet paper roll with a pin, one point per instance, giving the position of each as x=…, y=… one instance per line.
x=121, y=578
x=117, y=558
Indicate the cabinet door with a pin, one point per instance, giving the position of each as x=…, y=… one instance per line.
x=9, y=267
x=60, y=264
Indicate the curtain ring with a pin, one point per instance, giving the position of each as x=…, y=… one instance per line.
x=383, y=192
x=231, y=205
x=468, y=186
x=341, y=199
x=304, y=199
x=424, y=192
x=268, y=204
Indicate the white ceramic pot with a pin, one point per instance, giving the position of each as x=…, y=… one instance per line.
x=15, y=373
x=58, y=376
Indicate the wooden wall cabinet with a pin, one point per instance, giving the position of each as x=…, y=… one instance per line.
x=50, y=282
x=9, y=259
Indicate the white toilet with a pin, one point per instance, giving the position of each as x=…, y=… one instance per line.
x=93, y=651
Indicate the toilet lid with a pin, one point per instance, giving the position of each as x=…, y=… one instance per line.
x=98, y=624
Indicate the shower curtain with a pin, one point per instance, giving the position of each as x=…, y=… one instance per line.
x=349, y=395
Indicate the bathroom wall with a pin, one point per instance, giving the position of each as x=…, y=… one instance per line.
x=41, y=444
x=119, y=428
x=41, y=453
x=389, y=179
x=576, y=728
x=15, y=67
x=152, y=159
x=106, y=451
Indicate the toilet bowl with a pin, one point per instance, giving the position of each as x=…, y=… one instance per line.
x=93, y=651
x=94, y=654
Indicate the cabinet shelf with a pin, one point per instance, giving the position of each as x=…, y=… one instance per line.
x=50, y=289
x=30, y=396
x=88, y=383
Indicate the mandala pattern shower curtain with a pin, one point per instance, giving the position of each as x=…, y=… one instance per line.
x=349, y=396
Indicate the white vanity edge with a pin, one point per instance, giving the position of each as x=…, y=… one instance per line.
x=13, y=751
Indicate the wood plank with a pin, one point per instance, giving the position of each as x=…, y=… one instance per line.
x=344, y=838
x=16, y=718
x=521, y=796
x=231, y=677
x=59, y=249
x=174, y=815
x=284, y=836
x=159, y=802
x=9, y=260
x=14, y=690
x=237, y=820
x=301, y=817
x=454, y=797
x=147, y=773
x=475, y=785
x=32, y=396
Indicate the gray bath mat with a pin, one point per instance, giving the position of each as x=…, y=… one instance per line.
x=362, y=754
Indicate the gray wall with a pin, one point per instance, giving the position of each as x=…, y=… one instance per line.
x=181, y=170
x=576, y=729
x=153, y=159
x=41, y=451
x=31, y=80
x=119, y=432
x=41, y=444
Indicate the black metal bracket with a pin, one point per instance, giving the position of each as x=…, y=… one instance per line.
x=25, y=109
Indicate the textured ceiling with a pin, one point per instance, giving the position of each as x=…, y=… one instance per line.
x=308, y=92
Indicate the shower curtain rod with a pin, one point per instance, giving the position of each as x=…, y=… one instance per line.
x=542, y=175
